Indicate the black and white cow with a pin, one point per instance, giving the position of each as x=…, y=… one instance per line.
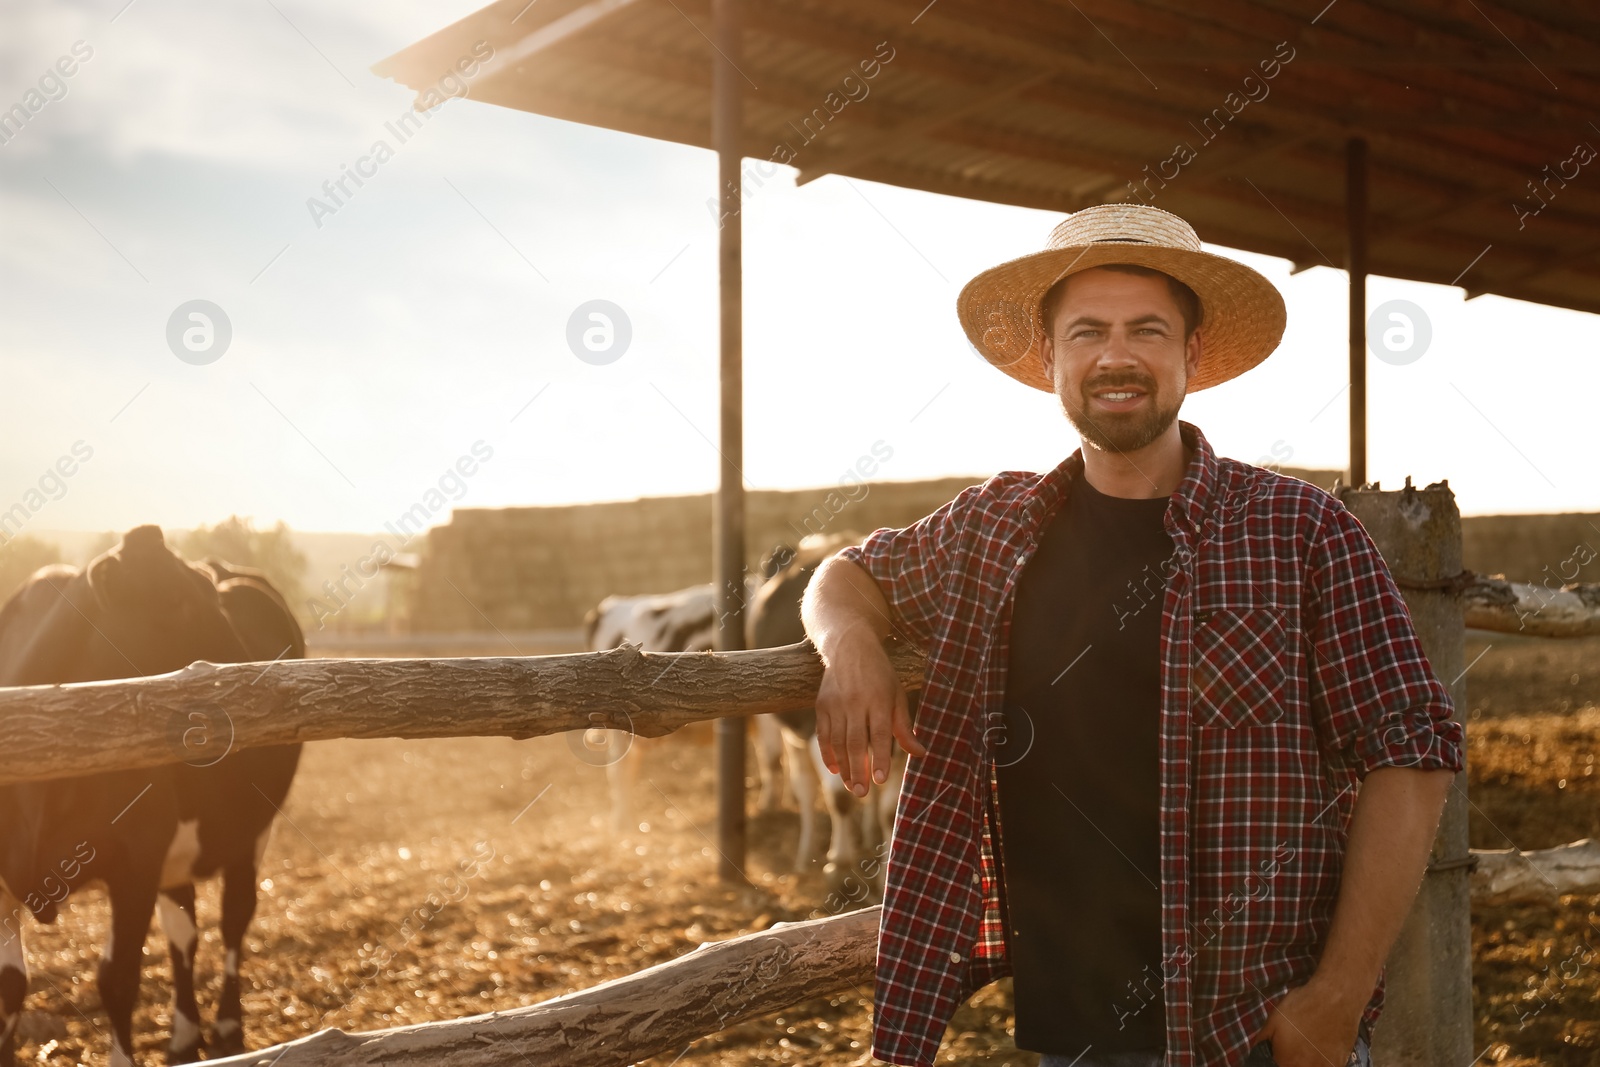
x=146, y=835
x=861, y=826
x=681, y=621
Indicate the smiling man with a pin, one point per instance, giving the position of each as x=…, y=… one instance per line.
x=1180, y=756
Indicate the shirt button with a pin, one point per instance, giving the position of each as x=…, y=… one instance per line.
x=955, y=957
x=975, y=878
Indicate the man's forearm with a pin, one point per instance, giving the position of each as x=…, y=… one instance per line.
x=1391, y=832
x=841, y=598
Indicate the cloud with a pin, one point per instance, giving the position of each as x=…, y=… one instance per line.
x=263, y=84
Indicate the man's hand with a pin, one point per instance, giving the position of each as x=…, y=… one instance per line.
x=1397, y=810
x=860, y=706
x=1314, y=1026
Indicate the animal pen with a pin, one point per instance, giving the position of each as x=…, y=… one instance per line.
x=1025, y=102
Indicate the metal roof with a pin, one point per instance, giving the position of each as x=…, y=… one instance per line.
x=1232, y=113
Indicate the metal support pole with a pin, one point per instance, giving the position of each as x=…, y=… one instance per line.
x=1355, y=261
x=727, y=536
x=1427, y=1015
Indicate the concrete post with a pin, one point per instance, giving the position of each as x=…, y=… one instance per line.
x=1427, y=1018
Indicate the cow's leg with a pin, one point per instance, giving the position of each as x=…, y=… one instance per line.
x=13, y=975
x=889, y=794
x=238, y=909
x=769, y=757
x=877, y=808
x=803, y=780
x=844, y=848
x=877, y=824
x=622, y=774
x=133, y=899
x=175, y=907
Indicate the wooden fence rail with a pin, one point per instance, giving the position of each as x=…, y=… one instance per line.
x=1509, y=876
x=1534, y=610
x=205, y=710
x=657, y=1010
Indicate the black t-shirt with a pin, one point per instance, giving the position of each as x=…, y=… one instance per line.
x=1079, y=783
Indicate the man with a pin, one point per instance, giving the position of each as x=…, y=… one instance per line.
x=1180, y=757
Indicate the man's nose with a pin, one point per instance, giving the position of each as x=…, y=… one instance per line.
x=1116, y=352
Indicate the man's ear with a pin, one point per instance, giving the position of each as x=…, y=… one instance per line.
x=1194, y=351
x=1047, y=356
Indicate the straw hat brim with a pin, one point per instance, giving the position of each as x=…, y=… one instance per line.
x=1243, y=314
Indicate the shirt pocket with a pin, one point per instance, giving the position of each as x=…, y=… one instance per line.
x=1238, y=674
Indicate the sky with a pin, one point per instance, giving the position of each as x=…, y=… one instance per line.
x=426, y=317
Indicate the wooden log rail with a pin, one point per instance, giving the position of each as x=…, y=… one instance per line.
x=205, y=710
x=1507, y=876
x=652, y=1012
x=1533, y=610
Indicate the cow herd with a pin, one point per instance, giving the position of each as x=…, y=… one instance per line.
x=148, y=836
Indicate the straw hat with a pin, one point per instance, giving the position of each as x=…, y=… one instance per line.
x=1243, y=312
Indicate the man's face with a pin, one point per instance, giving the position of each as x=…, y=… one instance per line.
x=1118, y=358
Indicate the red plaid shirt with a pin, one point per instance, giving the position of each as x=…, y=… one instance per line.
x=1289, y=669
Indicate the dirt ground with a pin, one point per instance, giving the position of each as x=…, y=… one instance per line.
x=1533, y=732
x=551, y=902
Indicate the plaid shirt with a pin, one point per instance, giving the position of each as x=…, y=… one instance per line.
x=1289, y=669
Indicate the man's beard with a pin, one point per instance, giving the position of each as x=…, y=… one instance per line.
x=1111, y=431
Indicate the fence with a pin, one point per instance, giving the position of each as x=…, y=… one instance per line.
x=61, y=731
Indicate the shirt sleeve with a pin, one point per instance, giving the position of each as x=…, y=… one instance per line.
x=910, y=564
x=1374, y=693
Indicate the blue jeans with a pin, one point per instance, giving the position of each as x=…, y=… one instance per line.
x=1260, y=1056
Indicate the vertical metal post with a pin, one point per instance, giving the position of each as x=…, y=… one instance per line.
x=1427, y=1015
x=727, y=537
x=1355, y=261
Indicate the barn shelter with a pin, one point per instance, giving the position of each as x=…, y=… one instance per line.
x=1418, y=139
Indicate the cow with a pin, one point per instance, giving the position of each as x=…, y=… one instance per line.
x=147, y=835
x=860, y=826
x=681, y=621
